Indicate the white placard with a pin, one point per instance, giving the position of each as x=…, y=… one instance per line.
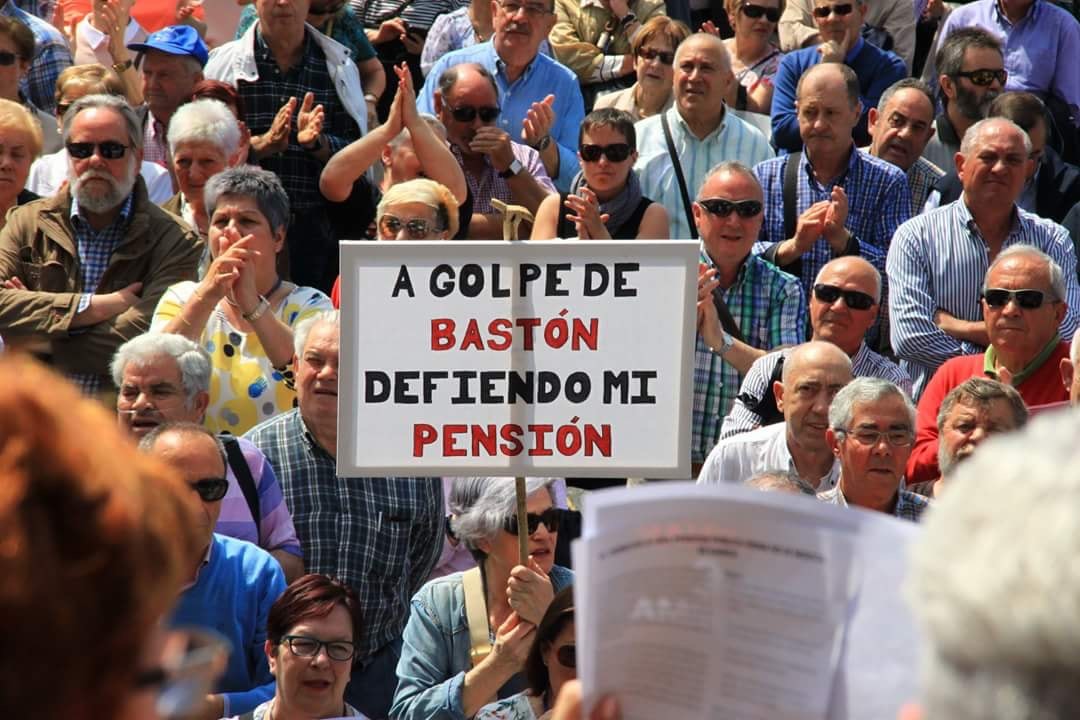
x=529, y=358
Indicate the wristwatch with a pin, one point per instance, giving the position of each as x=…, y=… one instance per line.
x=121, y=68
x=514, y=169
x=259, y=310
x=725, y=344
x=542, y=143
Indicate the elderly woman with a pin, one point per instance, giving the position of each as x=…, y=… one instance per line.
x=436, y=677
x=754, y=58
x=654, y=56
x=49, y=172
x=17, y=51
x=20, y=143
x=226, y=93
x=605, y=199
x=242, y=312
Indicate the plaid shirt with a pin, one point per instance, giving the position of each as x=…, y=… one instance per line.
x=381, y=536
x=922, y=177
x=297, y=168
x=909, y=505
x=51, y=57
x=490, y=186
x=344, y=27
x=43, y=9
x=770, y=310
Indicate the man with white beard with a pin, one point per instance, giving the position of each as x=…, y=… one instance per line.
x=82, y=271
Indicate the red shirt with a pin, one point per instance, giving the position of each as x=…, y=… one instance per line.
x=151, y=14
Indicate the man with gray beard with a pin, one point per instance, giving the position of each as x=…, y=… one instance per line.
x=81, y=272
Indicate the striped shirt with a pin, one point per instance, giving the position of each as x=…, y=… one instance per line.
x=419, y=14
x=770, y=310
x=939, y=260
x=275, y=530
x=909, y=506
x=51, y=57
x=742, y=418
x=489, y=185
x=734, y=139
x=922, y=176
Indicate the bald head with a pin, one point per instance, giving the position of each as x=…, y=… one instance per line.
x=816, y=354
x=855, y=268
x=985, y=131
x=833, y=79
x=704, y=42
x=813, y=373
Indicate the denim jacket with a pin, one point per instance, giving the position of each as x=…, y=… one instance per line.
x=435, y=651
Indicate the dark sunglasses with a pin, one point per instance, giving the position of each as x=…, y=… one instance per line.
x=755, y=11
x=567, y=656
x=616, y=152
x=723, y=208
x=983, y=78
x=467, y=113
x=416, y=229
x=852, y=298
x=666, y=57
x=110, y=150
x=549, y=517
x=824, y=11
x=8, y=58
x=211, y=489
x=1026, y=299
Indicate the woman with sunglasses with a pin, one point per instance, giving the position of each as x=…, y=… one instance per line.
x=754, y=57
x=653, y=49
x=551, y=663
x=605, y=200
x=418, y=209
x=17, y=51
x=438, y=674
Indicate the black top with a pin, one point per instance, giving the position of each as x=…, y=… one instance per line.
x=627, y=231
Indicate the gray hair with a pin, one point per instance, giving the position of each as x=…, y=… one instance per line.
x=950, y=56
x=1057, y=277
x=980, y=392
x=908, y=83
x=993, y=587
x=305, y=326
x=859, y=260
x=781, y=481
x=250, y=181
x=193, y=362
x=479, y=506
x=729, y=166
x=973, y=134
x=113, y=102
x=865, y=391
x=183, y=428
x=205, y=120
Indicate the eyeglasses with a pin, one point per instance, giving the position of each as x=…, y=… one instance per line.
x=416, y=229
x=211, y=489
x=824, y=11
x=852, y=298
x=305, y=647
x=567, y=656
x=871, y=438
x=983, y=77
x=110, y=149
x=666, y=57
x=616, y=152
x=533, y=11
x=1026, y=299
x=468, y=113
x=549, y=517
x=723, y=208
x=755, y=11
x=8, y=58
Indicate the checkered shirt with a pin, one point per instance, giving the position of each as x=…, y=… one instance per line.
x=909, y=505
x=922, y=178
x=155, y=142
x=51, y=57
x=43, y=9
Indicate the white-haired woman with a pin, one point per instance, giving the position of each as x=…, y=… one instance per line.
x=436, y=677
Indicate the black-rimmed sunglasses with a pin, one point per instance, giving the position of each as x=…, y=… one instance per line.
x=824, y=11
x=549, y=517
x=722, y=208
x=110, y=149
x=468, y=113
x=8, y=58
x=567, y=656
x=211, y=489
x=666, y=57
x=854, y=299
x=1026, y=299
x=755, y=11
x=984, y=78
x=616, y=152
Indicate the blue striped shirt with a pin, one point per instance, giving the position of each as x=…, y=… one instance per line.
x=734, y=139
x=939, y=260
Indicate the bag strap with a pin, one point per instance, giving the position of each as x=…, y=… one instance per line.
x=679, y=175
x=240, y=469
x=476, y=615
x=791, y=194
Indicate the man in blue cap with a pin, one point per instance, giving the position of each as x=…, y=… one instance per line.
x=172, y=61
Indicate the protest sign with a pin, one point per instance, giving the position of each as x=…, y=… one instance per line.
x=547, y=358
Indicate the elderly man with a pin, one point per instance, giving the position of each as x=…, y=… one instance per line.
x=844, y=303
x=733, y=283
x=839, y=24
x=276, y=61
x=164, y=378
x=1023, y=303
x=678, y=147
x=871, y=428
x=382, y=536
x=900, y=126
x=172, y=62
x=541, y=99
x=83, y=270
x=798, y=27
x=832, y=199
x=495, y=167
x=233, y=584
x=938, y=260
x=813, y=374
x=971, y=70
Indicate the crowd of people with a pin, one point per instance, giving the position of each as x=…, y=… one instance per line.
x=888, y=210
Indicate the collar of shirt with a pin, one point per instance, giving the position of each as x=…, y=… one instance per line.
x=860, y=355
x=97, y=39
x=309, y=437
x=968, y=220
x=203, y=564
x=461, y=158
x=1032, y=14
x=676, y=116
x=855, y=49
x=125, y=209
x=500, y=66
x=808, y=168
x=946, y=133
x=782, y=453
x=990, y=361
x=739, y=276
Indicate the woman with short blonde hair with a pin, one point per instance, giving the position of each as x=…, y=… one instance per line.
x=420, y=209
x=20, y=144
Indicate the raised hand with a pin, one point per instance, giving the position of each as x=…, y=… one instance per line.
x=538, y=120
x=309, y=121
x=586, y=216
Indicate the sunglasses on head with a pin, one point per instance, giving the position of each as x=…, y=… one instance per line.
x=549, y=517
x=984, y=78
x=723, y=208
x=211, y=489
x=468, y=113
x=616, y=152
x=666, y=57
x=852, y=298
x=110, y=149
x=755, y=11
x=567, y=656
x=416, y=229
x=8, y=58
x=824, y=11
x=1026, y=299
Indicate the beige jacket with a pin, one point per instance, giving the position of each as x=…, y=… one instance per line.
x=576, y=34
x=897, y=17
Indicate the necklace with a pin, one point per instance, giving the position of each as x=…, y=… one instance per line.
x=268, y=295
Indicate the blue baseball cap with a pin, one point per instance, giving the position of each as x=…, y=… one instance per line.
x=175, y=40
